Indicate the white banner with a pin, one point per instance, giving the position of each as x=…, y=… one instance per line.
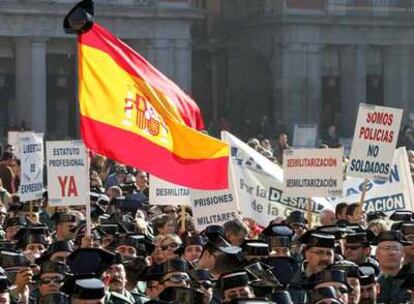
x=313, y=172
x=162, y=192
x=212, y=207
x=67, y=173
x=258, y=185
x=396, y=193
x=31, y=180
x=375, y=138
x=305, y=135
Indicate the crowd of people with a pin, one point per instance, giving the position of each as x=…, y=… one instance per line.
x=138, y=252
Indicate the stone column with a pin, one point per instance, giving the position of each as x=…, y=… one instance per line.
x=164, y=57
x=22, y=108
x=352, y=85
x=38, y=85
x=314, y=82
x=396, y=76
x=183, y=64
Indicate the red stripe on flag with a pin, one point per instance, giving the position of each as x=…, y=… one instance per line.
x=124, y=146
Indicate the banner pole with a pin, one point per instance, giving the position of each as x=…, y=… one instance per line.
x=183, y=218
x=88, y=201
x=364, y=192
x=309, y=215
x=31, y=210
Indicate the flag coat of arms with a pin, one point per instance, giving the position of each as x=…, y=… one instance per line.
x=132, y=113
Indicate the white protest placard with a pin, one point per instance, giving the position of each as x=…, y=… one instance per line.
x=396, y=193
x=13, y=138
x=31, y=179
x=212, y=207
x=258, y=184
x=375, y=138
x=67, y=173
x=162, y=192
x=312, y=172
x=305, y=135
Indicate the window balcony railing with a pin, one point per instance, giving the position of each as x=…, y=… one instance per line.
x=116, y=3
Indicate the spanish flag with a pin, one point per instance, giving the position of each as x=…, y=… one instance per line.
x=133, y=114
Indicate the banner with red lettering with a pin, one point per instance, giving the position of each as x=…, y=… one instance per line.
x=312, y=172
x=67, y=173
x=375, y=138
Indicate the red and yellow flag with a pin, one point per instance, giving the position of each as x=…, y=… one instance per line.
x=132, y=113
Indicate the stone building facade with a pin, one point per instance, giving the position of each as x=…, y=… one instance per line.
x=308, y=61
x=38, y=75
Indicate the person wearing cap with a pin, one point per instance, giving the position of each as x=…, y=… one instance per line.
x=218, y=255
x=66, y=225
x=324, y=295
x=33, y=241
x=352, y=277
x=192, y=248
x=85, y=290
x=407, y=229
x=279, y=238
x=296, y=220
x=50, y=279
x=331, y=278
x=390, y=255
x=369, y=285
x=133, y=245
x=357, y=248
x=56, y=252
x=202, y=281
x=235, y=285
x=254, y=250
x=116, y=276
x=18, y=270
x=135, y=270
x=12, y=226
x=319, y=251
x=173, y=273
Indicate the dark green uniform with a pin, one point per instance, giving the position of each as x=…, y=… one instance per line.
x=117, y=298
x=391, y=291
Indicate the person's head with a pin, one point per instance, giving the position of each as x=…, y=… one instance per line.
x=236, y=231
x=163, y=224
x=283, y=139
x=235, y=285
x=332, y=130
x=141, y=180
x=88, y=291
x=368, y=285
x=169, y=244
x=52, y=276
x=390, y=252
x=114, y=192
x=158, y=255
x=354, y=214
x=340, y=211
x=327, y=217
x=333, y=278
x=173, y=274
x=193, y=247
x=357, y=248
x=118, y=279
x=66, y=225
x=319, y=252
x=407, y=229
x=377, y=226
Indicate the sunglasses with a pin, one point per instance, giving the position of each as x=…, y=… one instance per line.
x=204, y=284
x=169, y=246
x=177, y=278
x=51, y=280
